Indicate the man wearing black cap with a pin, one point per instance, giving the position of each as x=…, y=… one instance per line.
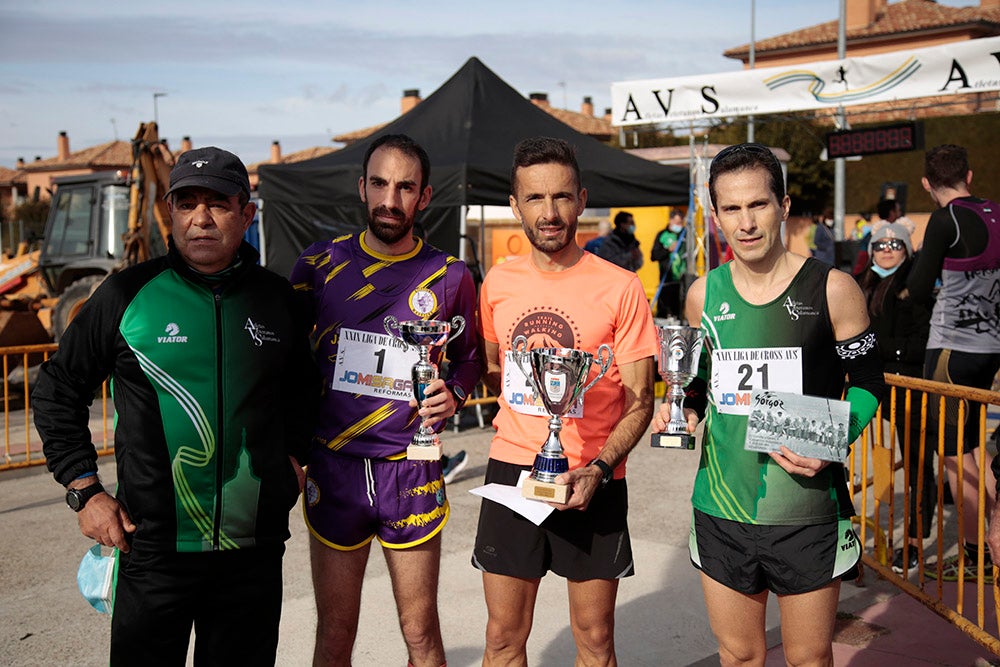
x=214, y=390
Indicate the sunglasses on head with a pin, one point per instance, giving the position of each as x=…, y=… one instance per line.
x=889, y=244
x=751, y=148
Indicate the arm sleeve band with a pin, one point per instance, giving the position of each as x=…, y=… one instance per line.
x=696, y=396
x=863, y=365
x=863, y=407
x=696, y=392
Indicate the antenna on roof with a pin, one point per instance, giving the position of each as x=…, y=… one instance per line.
x=114, y=126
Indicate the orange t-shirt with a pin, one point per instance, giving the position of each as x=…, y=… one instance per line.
x=591, y=303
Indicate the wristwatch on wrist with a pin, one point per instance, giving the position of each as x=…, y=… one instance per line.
x=607, y=471
x=460, y=396
x=77, y=498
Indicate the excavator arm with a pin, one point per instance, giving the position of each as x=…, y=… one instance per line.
x=151, y=164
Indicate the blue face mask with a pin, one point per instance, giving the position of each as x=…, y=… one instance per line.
x=885, y=273
x=95, y=578
x=630, y=229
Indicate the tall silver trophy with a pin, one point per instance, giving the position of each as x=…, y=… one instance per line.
x=680, y=349
x=557, y=376
x=423, y=335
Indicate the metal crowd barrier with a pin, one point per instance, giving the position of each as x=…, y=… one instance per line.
x=21, y=445
x=883, y=501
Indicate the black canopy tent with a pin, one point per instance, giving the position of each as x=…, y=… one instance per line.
x=469, y=127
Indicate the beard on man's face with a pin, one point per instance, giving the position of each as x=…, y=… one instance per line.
x=388, y=232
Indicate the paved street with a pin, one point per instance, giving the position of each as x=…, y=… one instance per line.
x=661, y=617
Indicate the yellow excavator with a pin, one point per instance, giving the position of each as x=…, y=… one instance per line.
x=98, y=223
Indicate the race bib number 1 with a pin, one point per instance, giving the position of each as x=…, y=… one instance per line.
x=374, y=364
x=736, y=372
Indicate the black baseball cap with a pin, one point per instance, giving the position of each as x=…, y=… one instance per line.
x=211, y=168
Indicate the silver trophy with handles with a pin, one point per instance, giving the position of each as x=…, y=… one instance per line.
x=423, y=335
x=680, y=349
x=557, y=376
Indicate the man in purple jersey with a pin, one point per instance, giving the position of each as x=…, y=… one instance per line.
x=360, y=484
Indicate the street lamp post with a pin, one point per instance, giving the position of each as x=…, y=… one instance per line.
x=753, y=49
x=156, y=113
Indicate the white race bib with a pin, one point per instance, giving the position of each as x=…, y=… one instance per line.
x=521, y=397
x=374, y=364
x=736, y=372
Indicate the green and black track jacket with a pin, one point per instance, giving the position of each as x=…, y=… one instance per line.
x=214, y=387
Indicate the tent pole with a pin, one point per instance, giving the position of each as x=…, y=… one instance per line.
x=481, y=259
x=462, y=229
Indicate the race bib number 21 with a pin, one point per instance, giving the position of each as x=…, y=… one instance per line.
x=736, y=372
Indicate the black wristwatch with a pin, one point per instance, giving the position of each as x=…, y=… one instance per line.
x=77, y=498
x=607, y=471
x=460, y=396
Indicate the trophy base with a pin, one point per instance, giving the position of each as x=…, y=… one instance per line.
x=672, y=440
x=535, y=490
x=423, y=452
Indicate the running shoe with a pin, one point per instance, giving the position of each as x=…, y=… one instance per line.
x=949, y=569
x=452, y=465
x=897, y=561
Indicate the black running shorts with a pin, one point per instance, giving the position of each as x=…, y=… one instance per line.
x=592, y=544
x=787, y=560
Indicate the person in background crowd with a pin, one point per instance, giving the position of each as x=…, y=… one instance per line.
x=215, y=394
x=361, y=486
x=887, y=210
x=962, y=246
x=901, y=327
x=772, y=521
x=603, y=229
x=669, y=251
x=621, y=247
x=821, y=242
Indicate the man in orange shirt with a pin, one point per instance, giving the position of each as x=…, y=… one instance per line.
x=561, y=296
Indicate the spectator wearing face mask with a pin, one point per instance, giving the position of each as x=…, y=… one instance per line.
x=901, y=326
x=668, y=251
x=621, y=246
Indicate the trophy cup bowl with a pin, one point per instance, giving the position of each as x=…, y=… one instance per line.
x=558, y=377
x=423, y=335
x=680, y=349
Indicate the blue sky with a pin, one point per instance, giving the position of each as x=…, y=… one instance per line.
x=243, y=74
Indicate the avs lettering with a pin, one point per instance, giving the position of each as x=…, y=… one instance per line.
x=954, y=68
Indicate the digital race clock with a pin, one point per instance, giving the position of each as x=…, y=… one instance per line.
x=874, y=140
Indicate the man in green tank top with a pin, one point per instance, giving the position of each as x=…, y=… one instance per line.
x=772, y=522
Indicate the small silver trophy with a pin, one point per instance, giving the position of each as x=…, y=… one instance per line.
x=423, y=335
x=557, y=376
x=680, y=349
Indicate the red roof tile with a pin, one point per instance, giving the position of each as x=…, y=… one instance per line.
x=104, y=156
x=297, y=156
x=900, y=18
x=9, y=177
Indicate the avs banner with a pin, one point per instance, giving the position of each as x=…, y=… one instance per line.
x=958, y=68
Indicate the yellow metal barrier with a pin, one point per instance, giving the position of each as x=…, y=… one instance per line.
x=877, y=457
x=935, y=410
x=21, y=445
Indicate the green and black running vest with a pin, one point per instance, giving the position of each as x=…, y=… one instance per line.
x=785, y=345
